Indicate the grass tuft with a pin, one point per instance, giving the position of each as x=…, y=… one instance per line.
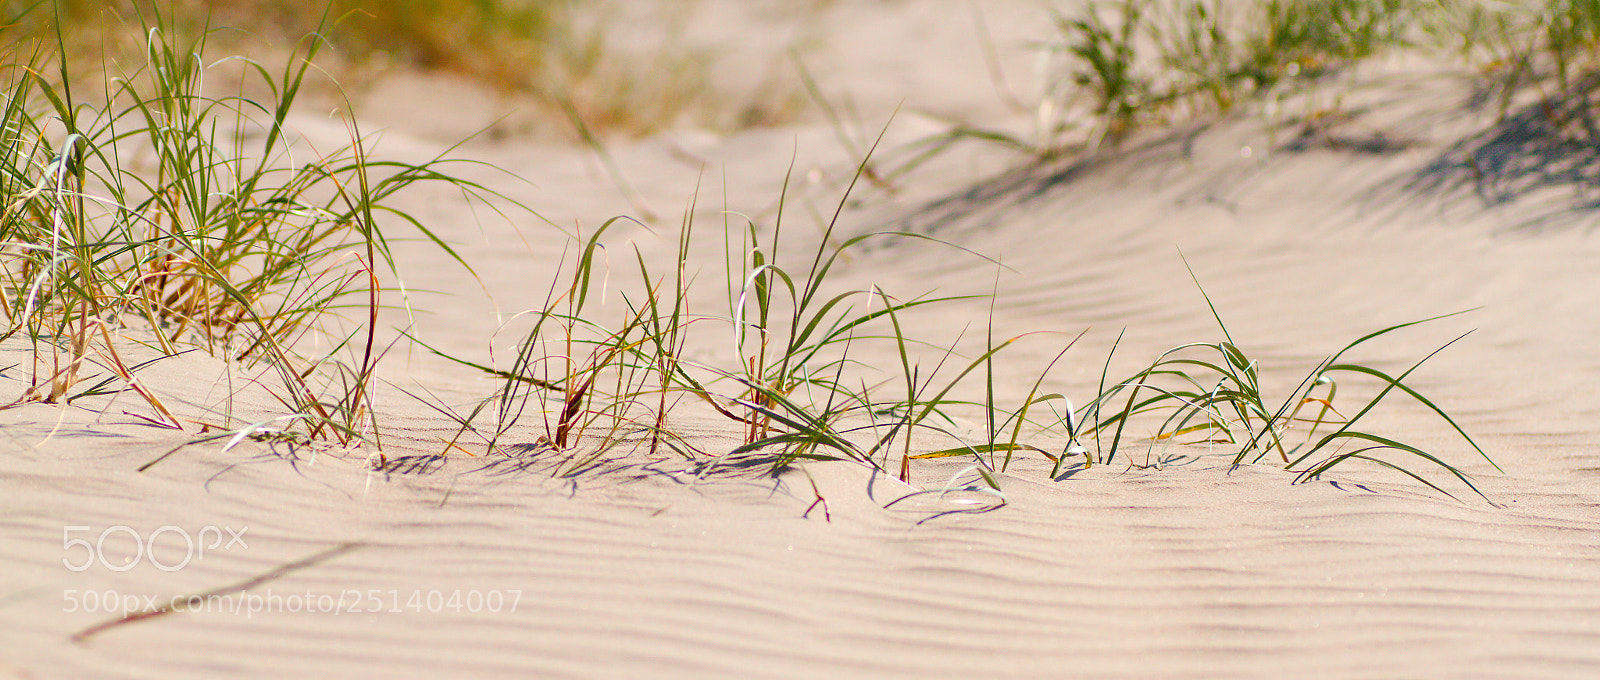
x=1132, y=63
x=1211, y=394
x=153, y=207
x=156, y=206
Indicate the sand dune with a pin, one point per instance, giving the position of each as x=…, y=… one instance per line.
x=1303, y=237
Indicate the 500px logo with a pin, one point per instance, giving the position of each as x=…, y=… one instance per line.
x=120, y=548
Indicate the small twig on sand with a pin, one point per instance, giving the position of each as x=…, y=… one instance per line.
x=172, y=605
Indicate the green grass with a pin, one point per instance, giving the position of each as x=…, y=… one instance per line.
x=156, y=208
x=785, y=387
x=794, y=390
x=1142, y=61
x=1134, y=63
x=155, y=205
x=1211, y=394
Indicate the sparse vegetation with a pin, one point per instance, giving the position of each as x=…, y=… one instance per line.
x=794, y=391
x=1145, y=61
x=1211, y=392
x=160, y=206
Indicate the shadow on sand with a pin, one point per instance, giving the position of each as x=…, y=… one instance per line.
x=1544, y=157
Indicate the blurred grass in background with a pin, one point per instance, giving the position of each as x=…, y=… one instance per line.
x=1129, y=64
x=564, y=56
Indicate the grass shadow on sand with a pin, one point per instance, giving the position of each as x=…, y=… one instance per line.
x=1542, y=157
x=1038, y=181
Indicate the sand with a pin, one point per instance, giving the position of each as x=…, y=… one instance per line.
x=1304, y=236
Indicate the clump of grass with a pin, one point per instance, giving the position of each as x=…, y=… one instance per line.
x=790, y=385
x=1211, y=394
x=793, y=345
x=1104, y=50
x=593, y=386
x=795, y=392
x=157, y=204
x=1140, y=61
x=153, y=204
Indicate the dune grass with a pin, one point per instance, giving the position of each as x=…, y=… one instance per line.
x=784, y=387
x=795, y=392
x=793, y=387
x=1211, y=394
x=1132, y=63
x=1141, y=61
x=155, y=211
